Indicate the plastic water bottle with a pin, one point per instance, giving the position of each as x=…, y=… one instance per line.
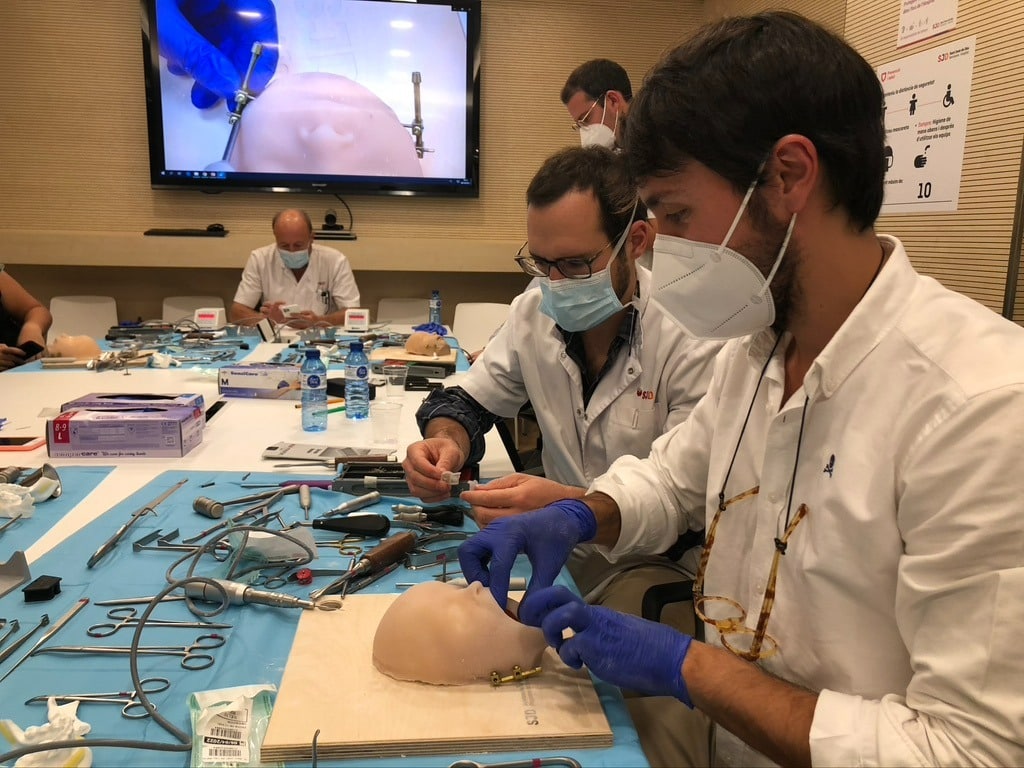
x=314, y=392
x=357, y=382
x=435, y=307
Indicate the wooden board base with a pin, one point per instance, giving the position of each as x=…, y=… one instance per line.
x=330, y=684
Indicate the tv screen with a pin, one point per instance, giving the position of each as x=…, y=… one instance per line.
x=354, y=96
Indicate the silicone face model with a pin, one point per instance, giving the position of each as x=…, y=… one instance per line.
x=321, y=123
x=449, y=635
x=78, y=347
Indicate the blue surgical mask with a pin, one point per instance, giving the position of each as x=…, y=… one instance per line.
x=294, y=259
x=579, y=305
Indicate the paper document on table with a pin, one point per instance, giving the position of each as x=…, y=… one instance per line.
x=361, y=712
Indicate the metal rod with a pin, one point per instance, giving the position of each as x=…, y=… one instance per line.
x=110, y=543
x=39, y=643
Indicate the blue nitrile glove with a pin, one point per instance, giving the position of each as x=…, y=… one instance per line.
x=546, y=536
x=440, y=330
x=624, y=650
x=211, y=41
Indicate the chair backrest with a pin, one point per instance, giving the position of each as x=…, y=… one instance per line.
x=82, y=316
x=184, y=307
x=403, y=311
x=476, y=322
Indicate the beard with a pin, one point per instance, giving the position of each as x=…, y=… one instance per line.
x=621, y=275
x=763, y=250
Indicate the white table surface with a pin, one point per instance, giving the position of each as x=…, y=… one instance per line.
x=234, y=439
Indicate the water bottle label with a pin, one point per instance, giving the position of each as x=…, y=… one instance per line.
x=357, y=374
x=313, y=381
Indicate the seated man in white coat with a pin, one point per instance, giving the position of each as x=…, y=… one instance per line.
x=605, y=370
x=295, y=272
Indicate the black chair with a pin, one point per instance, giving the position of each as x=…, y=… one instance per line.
x=660, y=595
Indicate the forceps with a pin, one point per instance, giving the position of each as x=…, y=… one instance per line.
x=126, y=617
x=191, y=659
x=132, y=709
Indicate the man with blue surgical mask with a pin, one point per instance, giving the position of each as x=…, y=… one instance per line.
x=607, y=372
x=294, y=271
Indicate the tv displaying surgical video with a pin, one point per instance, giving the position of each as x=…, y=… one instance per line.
x=375, y=96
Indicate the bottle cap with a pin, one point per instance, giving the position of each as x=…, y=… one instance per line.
x=355, y=346
x=312, y=353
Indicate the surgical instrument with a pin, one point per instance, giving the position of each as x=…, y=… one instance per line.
x=389, y=551
x=360, y=502
x=37, y=648
x=110, y=543
x=11, y=630
x=443, y=514
x=133, y=709
x=10, y=522
x=206, y=506
x=242, y=97
x=268, y=502
x=325, y=484
x=238, y=594
x=535, y=762
x=137, y=600
x=376, y=526
x=305, y=499
x=127, y=617
x=191, y=658
x=44, y=621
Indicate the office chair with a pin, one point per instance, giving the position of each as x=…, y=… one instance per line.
x=660, y=595
x=82, y=315
x=177, y=308
x=403, y=311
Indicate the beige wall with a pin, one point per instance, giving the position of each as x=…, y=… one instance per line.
x=74, y=184
x=74, y=180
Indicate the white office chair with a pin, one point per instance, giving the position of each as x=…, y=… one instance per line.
x=403, y=311
x=82, y=316
x=184, y=307
x=476, y=322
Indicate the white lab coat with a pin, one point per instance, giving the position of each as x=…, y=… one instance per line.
x=327, y=285
x=646, y=392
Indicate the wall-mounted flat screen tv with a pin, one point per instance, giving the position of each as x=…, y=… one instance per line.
x=336, y=96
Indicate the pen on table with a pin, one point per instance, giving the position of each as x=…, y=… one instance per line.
x=336, y=410
x=330, y=401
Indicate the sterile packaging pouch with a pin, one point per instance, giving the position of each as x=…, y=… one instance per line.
x=228, y=725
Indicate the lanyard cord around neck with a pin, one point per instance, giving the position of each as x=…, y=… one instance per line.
x=746, y=420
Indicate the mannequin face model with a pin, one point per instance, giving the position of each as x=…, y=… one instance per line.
x=317, y=122
x=444, y=634
x=78, y=347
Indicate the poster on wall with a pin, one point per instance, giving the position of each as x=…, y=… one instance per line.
x=921, y=19
x=927, y=100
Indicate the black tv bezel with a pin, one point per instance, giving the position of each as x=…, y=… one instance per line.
x=318, y=184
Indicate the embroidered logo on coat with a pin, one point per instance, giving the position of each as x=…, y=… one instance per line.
x=645, y=394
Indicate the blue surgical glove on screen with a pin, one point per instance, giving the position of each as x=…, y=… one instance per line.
x=211, y=41
x=624, y=650
x=546, y=537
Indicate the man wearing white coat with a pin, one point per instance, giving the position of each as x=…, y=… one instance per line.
x=606, y=371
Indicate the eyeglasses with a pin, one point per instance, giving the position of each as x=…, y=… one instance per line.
x=577, y=124
x=725, y=614
x=574, y=269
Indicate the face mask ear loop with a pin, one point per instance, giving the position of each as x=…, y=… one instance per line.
x=739, y=214
x=782, y=251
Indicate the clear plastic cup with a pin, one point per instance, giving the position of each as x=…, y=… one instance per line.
x=395, y=376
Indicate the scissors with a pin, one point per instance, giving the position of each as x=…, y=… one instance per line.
x=191, y=659
x=133, y=709
x=278, y=579
x=126, y=617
